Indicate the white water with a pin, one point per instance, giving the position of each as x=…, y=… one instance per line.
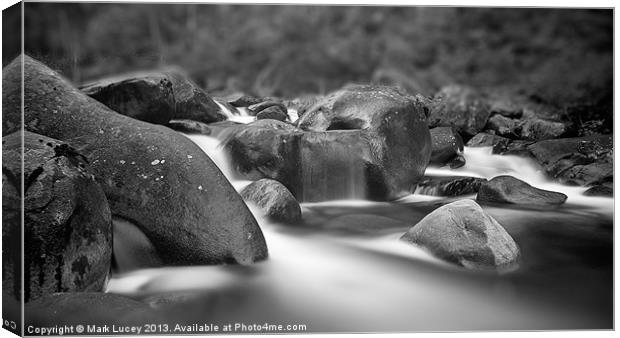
x=481, y=162
x=241, y=115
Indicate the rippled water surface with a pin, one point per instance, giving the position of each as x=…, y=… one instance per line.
x=344, y=269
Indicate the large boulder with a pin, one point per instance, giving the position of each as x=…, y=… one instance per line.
x=152, y=176
x=463, y=234
x=507, y=189
x=449, y=186
x=313, y=166
x=359, y=142
x=394, y=126
x=67, y=222
x=264, y=149
x=582, y=160
x=460, y=107
x=155, y=97
x=447, y=144
x=273, y=199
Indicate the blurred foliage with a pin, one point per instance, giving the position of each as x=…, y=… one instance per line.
x=560, y=56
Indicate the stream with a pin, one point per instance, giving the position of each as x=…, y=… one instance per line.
x=343, y=269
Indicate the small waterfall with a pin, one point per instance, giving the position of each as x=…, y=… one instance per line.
x=236, y=114
x=332, y=167
x=213, y=148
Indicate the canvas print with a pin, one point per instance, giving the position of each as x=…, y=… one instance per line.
x=190, y=168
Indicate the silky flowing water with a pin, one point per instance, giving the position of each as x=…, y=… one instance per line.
x=343, y=268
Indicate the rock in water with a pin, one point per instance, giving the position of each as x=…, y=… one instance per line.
x=462, y=233
x=449, y=186
x=152, y=176
x=273, y=199
x=507, y=189
x=67, y=221
x=460, y=107
x=501, y=145
x=447, y=144
x=602, y=190
x=582, y=160
x=360, y=142
x=155, y=97
x=189, y=127
x=275, y=112
x=393, y=125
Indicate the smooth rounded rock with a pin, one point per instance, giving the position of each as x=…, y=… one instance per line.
x=273, y=199
x=464, y=234
x=507, y=189
x=155, y=97
x=151, y=175
x=67, y=221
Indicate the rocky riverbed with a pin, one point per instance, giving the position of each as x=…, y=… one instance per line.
x=366, y=209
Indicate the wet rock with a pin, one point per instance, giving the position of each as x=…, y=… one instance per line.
x=189, y=127
x=446, y=143
x=265, y=149
x=460, y=107
x=274, y=200
x=538, y=129
x=276, y=112
x=457, y=162
x=515, y=104
x=507, y=189
x=501, y=145
x=358, y=143
x=67, y=221
x=255, y=109
x=155, y=97
x=449, y=186
x=394, y=126
x=242, y=100
x=581, y=160
x=302, y=104
x=150, y=174
x=313, y=166
x=601, y=190
x=94, y=308
x=504, y=126
x=532, y=129
x=485, y=140
x=463, y=234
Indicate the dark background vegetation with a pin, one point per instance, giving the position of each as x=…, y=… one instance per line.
x=560, y=56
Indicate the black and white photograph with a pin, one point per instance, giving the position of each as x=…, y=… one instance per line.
x=195, y=168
